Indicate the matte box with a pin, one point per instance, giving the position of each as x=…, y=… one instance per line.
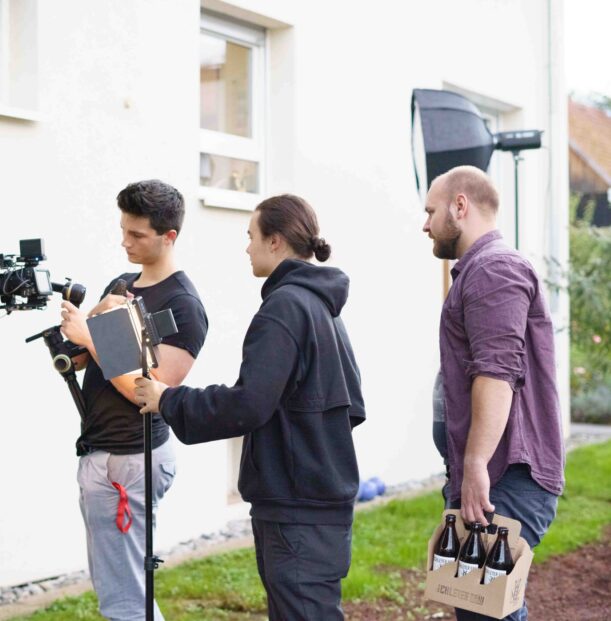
x=502, y=596
x=116, y=341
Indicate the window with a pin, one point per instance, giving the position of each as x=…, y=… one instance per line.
x=18, y=59
x=232, y=63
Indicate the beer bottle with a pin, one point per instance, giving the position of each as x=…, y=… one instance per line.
x=446, y=550
x=499, y=562
x=473, y=554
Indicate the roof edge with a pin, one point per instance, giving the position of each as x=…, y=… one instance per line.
x=597, y=168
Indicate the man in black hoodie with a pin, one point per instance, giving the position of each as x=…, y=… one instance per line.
x=295, y=402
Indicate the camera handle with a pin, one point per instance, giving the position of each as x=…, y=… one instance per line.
x=62, y=353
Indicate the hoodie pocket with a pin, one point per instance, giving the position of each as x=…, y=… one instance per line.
x=248, y=454
x=324, y=459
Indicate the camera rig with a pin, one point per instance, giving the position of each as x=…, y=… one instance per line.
x=25, y=286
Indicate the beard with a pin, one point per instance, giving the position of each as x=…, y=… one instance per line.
x=447, y=241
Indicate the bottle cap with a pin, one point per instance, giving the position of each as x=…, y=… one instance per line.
x=477, y=526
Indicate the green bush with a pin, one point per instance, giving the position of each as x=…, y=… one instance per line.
x=590, y=299
x=592, y=406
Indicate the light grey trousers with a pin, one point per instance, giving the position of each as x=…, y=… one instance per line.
x=116, y=559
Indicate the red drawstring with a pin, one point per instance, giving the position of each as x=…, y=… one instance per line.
x=123, y=509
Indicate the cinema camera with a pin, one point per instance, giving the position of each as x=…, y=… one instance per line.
x=25, y=286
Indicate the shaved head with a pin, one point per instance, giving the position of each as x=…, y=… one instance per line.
x=461, y=207
x=473, y=183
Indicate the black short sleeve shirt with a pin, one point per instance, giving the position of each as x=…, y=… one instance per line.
x=112, y=422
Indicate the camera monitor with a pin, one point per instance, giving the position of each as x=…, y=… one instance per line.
x=43, y=282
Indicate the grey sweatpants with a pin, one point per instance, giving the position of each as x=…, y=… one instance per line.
x=116, y=559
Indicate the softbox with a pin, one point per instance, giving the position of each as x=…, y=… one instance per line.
x=447, y=131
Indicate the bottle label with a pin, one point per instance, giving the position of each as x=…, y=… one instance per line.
x=465, y=568
x=492, y=574
x=440, y=561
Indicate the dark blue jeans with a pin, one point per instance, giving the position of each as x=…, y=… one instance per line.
x=517, y=495
x=301, y=567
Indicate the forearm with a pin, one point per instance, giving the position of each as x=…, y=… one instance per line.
x=269, y=359
x=124, y=384
x=490, y=405
x=214, y=413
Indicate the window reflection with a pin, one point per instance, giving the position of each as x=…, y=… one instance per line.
x=227, y=173
x=225, y=86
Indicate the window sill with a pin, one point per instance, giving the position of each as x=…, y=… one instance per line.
x=228, y=199
x=23, y=114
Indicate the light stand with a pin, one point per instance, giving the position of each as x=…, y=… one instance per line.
x=151, y=561
x=516, y=160
x=126, y=338
x=517, y=142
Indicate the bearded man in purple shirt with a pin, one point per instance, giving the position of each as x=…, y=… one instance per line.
x=497, y=419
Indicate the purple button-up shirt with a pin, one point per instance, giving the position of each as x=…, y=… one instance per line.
x=495, y=323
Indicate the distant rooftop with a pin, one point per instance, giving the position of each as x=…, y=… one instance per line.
x=590, y=138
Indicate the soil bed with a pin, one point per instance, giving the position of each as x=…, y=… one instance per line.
x=573, y=587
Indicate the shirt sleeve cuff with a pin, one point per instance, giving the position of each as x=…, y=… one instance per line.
x=163, y=399
x=514, y=377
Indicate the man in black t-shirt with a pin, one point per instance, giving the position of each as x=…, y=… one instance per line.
x=110, y=447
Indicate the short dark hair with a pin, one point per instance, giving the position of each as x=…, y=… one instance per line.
x=294, y=219
x=161, y=203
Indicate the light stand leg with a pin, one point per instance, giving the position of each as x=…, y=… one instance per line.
x=151, y=562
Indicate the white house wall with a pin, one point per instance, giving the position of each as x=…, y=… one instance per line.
x=118, y=97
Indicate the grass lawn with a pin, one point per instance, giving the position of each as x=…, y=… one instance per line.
x=386, y=539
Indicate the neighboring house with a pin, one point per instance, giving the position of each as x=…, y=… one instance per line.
x=292, y=96
x=590, y=159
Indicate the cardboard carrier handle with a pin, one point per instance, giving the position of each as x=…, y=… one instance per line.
x=491, y=528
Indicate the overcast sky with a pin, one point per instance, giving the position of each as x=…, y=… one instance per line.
x=588, y=45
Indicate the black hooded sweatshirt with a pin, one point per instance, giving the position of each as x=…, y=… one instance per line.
x=296, y=401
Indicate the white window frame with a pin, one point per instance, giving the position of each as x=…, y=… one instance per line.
x=492, y=118
x=7, y=109
x=228, y=145
x=5, y=33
